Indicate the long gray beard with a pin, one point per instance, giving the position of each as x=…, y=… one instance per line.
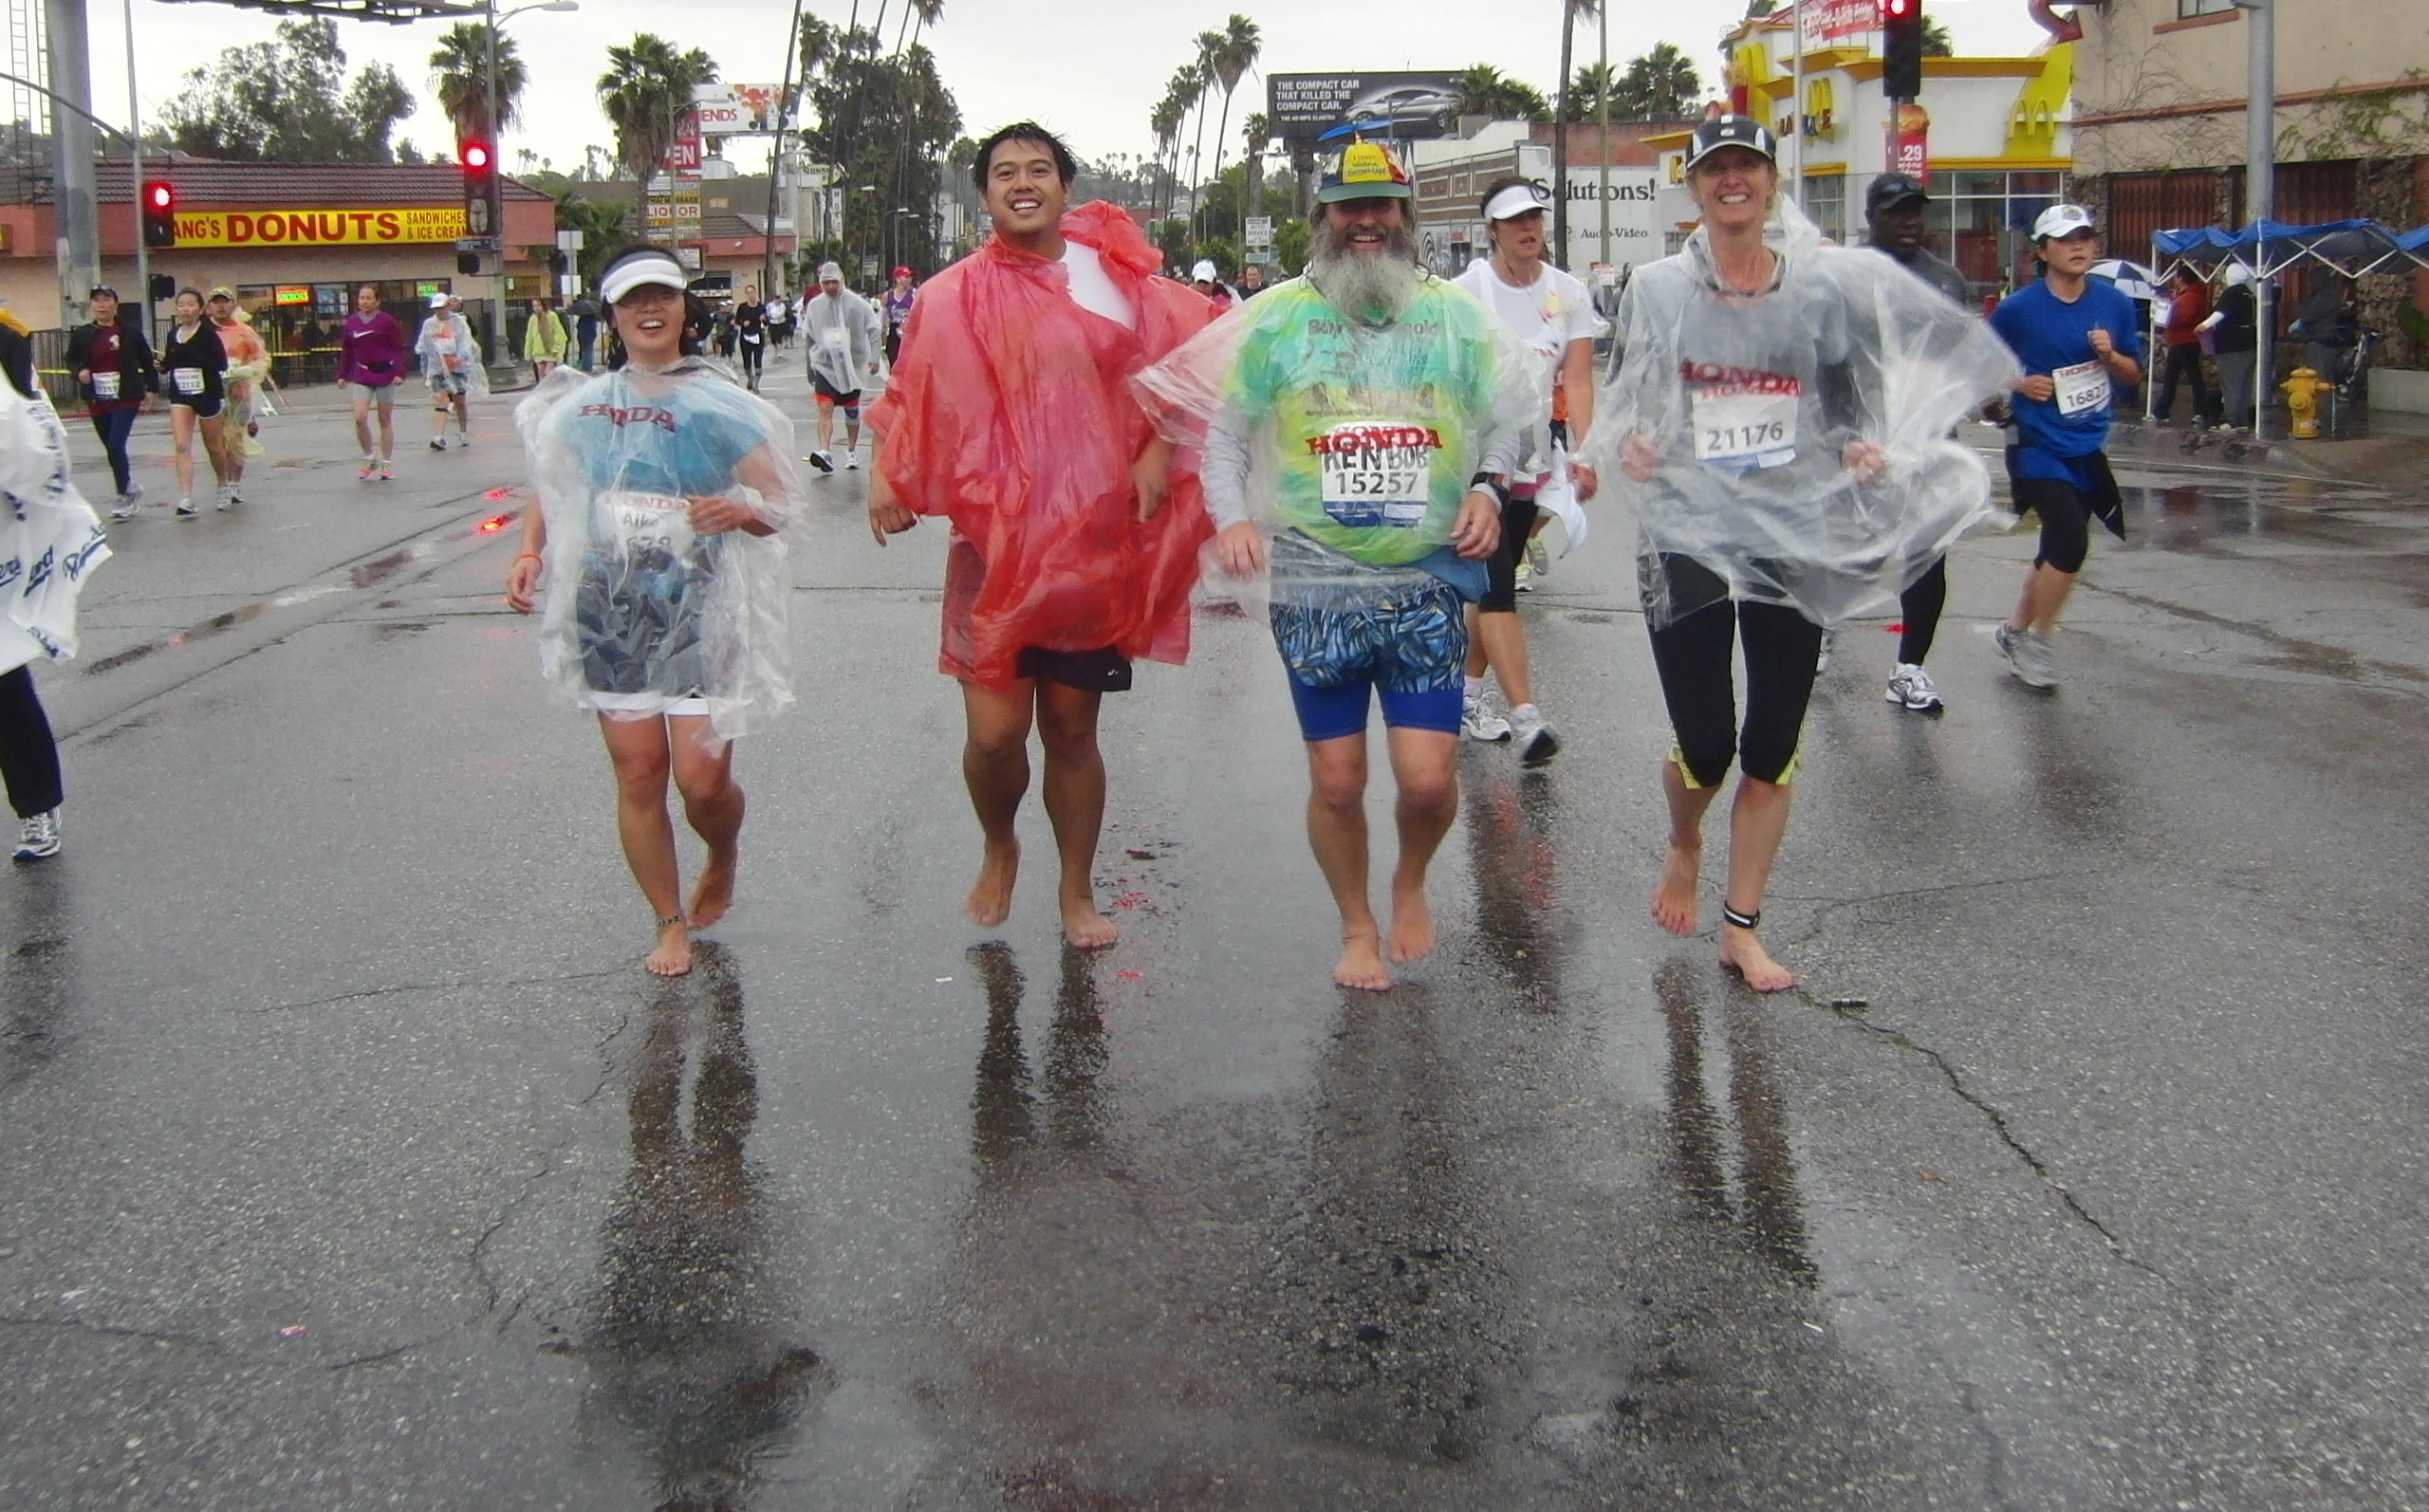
x=1374, y=289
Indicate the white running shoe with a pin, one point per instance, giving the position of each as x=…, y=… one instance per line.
x=821, y=461
x=227, y=496
x=438, y=443
x=851, y=461
x=126, y=505
x=38, y=836
x=186, y=510
x=1525, y=576
x=1911, y=687
x=2029, y=655
x=1536, y=742
x=1539, y=560
x=1477, y=722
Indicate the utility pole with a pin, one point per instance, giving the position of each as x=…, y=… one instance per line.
x=1603, y=120
x=135, y=182
x=1796, y=111
x=2260, y=183
x=74, y=195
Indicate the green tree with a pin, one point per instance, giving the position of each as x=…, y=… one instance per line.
x=646, y=93
x=1180, y=92
x=1935, y=39
x=884, y=122
x=1291, y=246
x=601, y=222
x=1210, y=45
x=1660, y=85
x=459, y=71
x=288, y=100
x=1483, y=91
x=1586, y=92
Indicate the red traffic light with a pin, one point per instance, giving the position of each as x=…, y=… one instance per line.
x=476, y=155
x=159, y=208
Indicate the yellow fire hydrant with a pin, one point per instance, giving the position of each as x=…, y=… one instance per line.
x=2303, y=388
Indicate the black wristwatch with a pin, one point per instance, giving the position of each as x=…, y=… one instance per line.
x=1490, y=485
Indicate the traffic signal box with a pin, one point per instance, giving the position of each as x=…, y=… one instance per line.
x=1901, y=49
x=160, y=206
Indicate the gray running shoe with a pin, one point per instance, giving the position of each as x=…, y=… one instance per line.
x=1830, y=644
x=1477, y=722
x=38, y=836
x=2029, y=655
x=1910, y=687
x=1537, y=744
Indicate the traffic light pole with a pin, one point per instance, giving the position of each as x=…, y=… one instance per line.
x=498, y=219
x=134, y=179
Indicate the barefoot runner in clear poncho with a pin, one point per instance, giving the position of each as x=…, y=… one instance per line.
x=1074, y=542
x=1361, y=426
x=1780, y=421
x=661, y=487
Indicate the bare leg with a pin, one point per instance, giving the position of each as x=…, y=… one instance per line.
x=1758, y=819
x=1337, y=833
x=825, y=425
x=181, y=435
x=362, y=423
x=463, y=414
x=994, y=765
x=1504, y=642
x=387, y=432
x=1423, y=766
x=851, y=433
x=214, y=445
x=1674, y=897
x=2044, y=593
x=712, y=805
x=1066, y=723
x=639, y=749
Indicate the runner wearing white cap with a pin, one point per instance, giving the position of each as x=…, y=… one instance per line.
x=1553, y=314
x=451, y=363
x=2077, y=338
x=843, y=331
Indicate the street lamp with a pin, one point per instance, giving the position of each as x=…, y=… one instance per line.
x=489, y=109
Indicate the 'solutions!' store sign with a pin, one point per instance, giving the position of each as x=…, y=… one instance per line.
x=320, y=228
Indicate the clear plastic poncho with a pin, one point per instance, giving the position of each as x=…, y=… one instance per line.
x=642, y=610
x=247, y=370
x=1351, y=443
x=51, y=539
x=1753, y=403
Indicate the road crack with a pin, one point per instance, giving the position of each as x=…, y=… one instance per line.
x=107, y=1331
x=436, y=986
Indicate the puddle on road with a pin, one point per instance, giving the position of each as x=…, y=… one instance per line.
x=361, y=576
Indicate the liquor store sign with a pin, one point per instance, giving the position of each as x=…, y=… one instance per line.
x=350, y=227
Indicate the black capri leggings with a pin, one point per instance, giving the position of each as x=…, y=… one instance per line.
x=1501, y=568
x=2065, y=522
x=1693, y=656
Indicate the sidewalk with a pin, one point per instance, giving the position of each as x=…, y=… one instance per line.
x=2384, y=447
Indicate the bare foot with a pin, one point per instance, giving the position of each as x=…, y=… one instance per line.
x=1362, y=964
x=1742, y=952
x=672, y=956
x=1412, y=924
x=1674, y=897
x=714, y=894
x=1085, y=929
x=989, y=902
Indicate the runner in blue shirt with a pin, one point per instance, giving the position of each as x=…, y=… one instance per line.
x=2077, y=339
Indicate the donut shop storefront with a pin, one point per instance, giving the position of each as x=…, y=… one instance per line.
x=294, y=240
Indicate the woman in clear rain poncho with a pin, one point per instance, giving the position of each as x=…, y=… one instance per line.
x=1779, y=420
x=661, y=487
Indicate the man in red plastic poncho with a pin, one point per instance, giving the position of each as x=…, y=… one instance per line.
x=1074, y=543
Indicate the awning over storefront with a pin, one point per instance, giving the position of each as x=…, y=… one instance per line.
x=2349, y=247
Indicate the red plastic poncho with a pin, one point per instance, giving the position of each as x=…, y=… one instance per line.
x=1010, y=411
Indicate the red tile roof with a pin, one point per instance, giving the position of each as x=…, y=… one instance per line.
x=211, y=182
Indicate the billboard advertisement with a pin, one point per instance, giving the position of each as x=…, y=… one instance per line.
x=1833, y=21
x=736, y=110
x=1409, y=106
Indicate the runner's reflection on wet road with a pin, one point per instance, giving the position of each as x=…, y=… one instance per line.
x=685, y=1340
x=1761, y=1201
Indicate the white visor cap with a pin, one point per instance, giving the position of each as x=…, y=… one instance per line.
x=2059, y=221
x=1518, y=199
x=634, y=272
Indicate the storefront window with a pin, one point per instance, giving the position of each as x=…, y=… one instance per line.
x=1826, y=203
x=1982, y=222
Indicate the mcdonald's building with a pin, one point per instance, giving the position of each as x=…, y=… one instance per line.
x=293, y=240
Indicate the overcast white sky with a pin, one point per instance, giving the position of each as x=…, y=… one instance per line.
x=1090, y=68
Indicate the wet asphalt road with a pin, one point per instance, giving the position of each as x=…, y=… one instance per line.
x=356, y=1164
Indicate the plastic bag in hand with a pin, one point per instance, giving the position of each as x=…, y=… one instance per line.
x=1751, y=407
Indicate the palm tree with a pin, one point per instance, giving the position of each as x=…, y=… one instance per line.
x=646, y=93
x=1660, y=85
x=1164, y=120
x=1570, y=11
x=1235, y=55
x=1256, y=131
x=1210, y=45
x=459, y=70
x=1483, y=91
x=1181, y=93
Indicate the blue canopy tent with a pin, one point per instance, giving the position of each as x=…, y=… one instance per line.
x=2349, y=248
